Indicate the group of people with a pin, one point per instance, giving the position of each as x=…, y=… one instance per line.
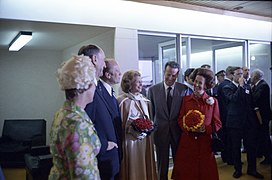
x=93, y=136
x=245, y=113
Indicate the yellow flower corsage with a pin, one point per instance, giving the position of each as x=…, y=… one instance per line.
x=193, y=120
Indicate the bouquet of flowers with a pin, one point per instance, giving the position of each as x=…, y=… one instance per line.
x=143, y=125
x=193, y=120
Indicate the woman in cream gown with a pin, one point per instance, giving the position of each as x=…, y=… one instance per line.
x=138, y=151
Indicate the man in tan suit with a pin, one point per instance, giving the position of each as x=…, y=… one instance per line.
x=166, y=100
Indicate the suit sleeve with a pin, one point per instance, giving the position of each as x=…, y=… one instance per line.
x=257, y=94
x=91, y=111
x=231, y=95
x=150, y=97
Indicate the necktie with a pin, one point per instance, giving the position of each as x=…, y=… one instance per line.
x=169, y=98
x=253, y=88
x=113, y=98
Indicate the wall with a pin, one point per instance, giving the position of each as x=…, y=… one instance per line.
x=28, y=85
x=105, y=41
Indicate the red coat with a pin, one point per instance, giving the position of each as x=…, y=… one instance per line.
x=194, y=159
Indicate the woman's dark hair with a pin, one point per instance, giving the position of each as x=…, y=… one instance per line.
x=188, y=72
x=207, y=74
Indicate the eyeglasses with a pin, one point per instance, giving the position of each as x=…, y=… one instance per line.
x=238, y=74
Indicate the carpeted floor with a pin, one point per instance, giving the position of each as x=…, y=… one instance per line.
x=226, y=171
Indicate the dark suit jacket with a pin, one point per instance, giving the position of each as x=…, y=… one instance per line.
x=223, y=103
x=240, y=107
x=261, y=99
x=106, y=118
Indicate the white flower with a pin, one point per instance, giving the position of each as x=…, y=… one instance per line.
x=210, y=101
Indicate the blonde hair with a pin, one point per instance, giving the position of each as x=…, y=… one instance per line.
x=76, y=73
x=127, y=80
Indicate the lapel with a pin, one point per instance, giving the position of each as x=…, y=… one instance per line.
x=106, y=98
x=259, y=84
x=175, y=100
x=164, y=100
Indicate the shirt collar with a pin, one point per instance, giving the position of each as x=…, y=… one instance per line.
x=166, y=87
x=189, y=85
x=107, y=86
x=228, y=79
x=257, y=82
x=236, y=84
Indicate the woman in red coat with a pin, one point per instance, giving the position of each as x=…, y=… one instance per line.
x=199, y=112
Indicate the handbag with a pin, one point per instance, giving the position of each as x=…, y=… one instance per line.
x=217, y=143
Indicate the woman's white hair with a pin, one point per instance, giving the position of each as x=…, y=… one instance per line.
x=76, y=73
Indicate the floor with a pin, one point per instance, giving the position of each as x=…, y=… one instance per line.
x=225, y=171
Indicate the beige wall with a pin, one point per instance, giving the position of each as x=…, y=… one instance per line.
x=29, y=88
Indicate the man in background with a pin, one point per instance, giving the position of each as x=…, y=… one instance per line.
x=241, y=123
x=261, y=99
x=226, y=154
x=246, y=75
x=188, y=81
x=220, y=75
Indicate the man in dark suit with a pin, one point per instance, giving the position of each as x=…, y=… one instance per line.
x=241, y=123
x=220, y=75
x=246, y=75
x=105, y=114
x=226, y=154
x=261, y=99
x=165, y=115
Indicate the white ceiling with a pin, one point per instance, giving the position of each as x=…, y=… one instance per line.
x=47, y=36
x=248, y=8
x=56, y=36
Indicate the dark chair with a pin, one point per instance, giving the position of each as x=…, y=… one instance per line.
x=18, y=136
x=38, y=163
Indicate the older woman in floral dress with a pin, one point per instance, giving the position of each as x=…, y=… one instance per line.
x=74, y=143
x=138, y=152
x=199, y=114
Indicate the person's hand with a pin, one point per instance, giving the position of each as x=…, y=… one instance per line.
x=111, y=145
x=201, y=129
x=241, y=81
x=142, y=136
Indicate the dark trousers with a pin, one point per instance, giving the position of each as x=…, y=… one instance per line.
x=162, y=153
x=264, y=142
x=249, y=137
x=226, y=154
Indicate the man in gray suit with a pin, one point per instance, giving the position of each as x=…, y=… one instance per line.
x=166, y=100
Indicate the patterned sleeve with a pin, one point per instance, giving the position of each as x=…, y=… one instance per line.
x=81, y=146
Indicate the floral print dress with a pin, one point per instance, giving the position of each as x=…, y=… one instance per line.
x=74, y=144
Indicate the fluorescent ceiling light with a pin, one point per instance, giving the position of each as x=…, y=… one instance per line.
x=20, y=40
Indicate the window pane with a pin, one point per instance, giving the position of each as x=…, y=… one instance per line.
x=260, y=57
